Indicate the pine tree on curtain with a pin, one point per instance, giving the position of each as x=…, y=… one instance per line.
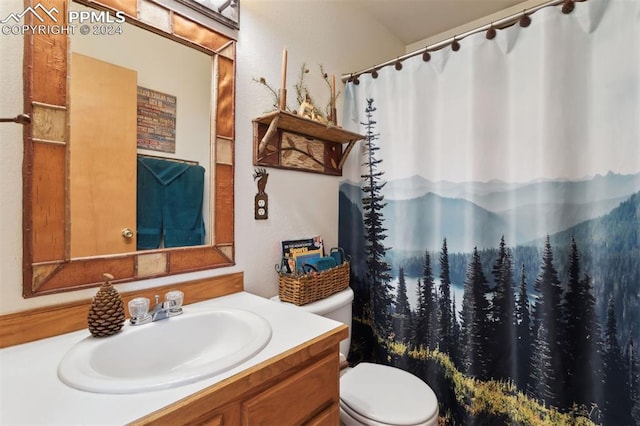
x=381, y=299
x=447, y=315
x=547, y=314
x=523, y=333
x=501, y=317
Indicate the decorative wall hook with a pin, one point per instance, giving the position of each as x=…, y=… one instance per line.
x=261, y=200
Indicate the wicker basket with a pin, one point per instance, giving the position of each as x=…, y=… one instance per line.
x=303, y=289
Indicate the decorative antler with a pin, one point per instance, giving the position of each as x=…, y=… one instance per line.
x=259, y=173
x=262, y=176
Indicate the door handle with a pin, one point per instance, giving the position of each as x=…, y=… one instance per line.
x=127, y=233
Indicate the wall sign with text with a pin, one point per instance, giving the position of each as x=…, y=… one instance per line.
x=156, y=120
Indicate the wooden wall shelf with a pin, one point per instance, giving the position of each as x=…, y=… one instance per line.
x=288, y=141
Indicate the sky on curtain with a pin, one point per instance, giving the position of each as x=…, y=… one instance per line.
x=529, y=109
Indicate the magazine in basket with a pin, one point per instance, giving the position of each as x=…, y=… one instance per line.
x=295, y=253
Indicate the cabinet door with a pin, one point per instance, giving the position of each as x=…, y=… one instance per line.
x=297, y=399
x=102, y=157
x=225, y=416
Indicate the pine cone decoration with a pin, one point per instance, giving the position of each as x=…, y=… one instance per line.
x=106, y=314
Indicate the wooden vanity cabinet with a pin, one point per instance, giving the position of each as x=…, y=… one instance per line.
x=298, y=387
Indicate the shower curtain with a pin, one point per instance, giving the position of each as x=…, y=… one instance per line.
x=493, y=225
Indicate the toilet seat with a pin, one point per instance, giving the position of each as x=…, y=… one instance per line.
x=381, y=395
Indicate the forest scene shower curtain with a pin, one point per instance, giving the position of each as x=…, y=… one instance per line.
x=494, y=223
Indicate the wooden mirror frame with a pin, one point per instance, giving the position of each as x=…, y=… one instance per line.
x=47, y=266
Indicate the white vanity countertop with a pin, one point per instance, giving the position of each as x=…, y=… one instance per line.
x=32, y=394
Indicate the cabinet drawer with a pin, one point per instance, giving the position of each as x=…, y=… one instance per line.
x=296, y=399
x=329, y=417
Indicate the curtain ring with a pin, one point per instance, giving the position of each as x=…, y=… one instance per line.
x=525, y=20
x=568, y=6
x=491, y=32
x=455, y=46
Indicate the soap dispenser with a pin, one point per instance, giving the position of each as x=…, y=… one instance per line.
x=106, y=314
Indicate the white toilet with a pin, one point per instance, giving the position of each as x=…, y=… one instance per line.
x=374, y=394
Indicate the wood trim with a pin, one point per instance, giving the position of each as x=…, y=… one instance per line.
x=50, y=53
x=191, y=259
x=83, y=273
x=198, y=34
x=130, y=7
x=40, y=323
x=224, y=230
x=48, y=202
x=225, y=125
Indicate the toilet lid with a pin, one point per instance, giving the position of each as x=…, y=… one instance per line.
x=388, y=395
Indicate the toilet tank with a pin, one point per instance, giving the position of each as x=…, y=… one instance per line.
x=336, y=307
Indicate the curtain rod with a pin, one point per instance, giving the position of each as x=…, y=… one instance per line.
x=175, y=160
x=501, y=23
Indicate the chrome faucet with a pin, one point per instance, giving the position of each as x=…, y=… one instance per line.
x=170, y=307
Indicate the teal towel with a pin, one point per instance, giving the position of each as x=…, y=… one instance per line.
x=170, y=198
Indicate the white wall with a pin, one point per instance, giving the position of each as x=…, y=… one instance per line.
x=473, y=25
x=300, y=204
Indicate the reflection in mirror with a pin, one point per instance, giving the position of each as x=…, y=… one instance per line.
x=81, y=139
x=162, y=198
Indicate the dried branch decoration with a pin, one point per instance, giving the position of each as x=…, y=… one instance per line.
x=274, y=92
x=302, y=91
x=306, y=105
x=333, y=96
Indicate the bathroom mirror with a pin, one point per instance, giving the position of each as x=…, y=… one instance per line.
x=62, y=253
x=162, y=104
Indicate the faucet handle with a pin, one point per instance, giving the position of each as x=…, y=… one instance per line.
x=175, y=299
x=138, y=307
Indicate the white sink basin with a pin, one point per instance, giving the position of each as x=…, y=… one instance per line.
x=167, y=353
